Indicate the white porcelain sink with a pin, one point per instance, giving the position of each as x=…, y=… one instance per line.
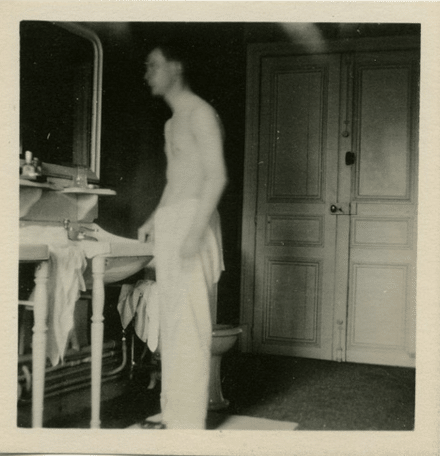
x=124, y=256
x=33, y=252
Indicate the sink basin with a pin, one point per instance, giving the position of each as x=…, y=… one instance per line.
x=33, y=252
x=124, y=256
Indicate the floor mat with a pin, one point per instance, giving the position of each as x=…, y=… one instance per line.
x=222, y=422
x=250, y=423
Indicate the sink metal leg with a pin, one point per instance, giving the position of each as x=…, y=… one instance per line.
x=39, y=343
x=98, y=268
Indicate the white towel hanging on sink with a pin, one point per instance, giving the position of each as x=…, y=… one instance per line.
x=140, y=303
x=66, y=266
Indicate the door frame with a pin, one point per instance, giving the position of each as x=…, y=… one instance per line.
x=253, y=66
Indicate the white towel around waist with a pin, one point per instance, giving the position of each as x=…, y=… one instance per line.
x=178, y=218
x=140, y=302
x=211, y=252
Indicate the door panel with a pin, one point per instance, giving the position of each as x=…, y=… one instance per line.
x=333, y=285
x=296, y=159
x=379, y=306
x=383, y=121
x=383, y=243
x=292, y=282
x=295, y=240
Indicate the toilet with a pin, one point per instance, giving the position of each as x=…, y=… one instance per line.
x=223, y=339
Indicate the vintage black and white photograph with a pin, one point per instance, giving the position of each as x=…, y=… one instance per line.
x=218, y=226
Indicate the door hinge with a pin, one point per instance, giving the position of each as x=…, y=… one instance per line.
x=349, y=61
x=340, y=348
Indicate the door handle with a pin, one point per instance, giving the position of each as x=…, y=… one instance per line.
x=340, y=209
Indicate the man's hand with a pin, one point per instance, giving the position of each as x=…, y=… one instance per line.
x=190, y=247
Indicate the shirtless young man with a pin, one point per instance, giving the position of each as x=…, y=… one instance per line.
x=185, y=229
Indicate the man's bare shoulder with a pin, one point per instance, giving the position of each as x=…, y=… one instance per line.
x=200, y=107
x=204, y=118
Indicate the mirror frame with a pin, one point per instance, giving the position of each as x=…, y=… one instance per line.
x=52, y=170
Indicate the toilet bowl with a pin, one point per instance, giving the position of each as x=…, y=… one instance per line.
x=223, y=339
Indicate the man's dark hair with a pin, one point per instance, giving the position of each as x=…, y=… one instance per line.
x=175, y=52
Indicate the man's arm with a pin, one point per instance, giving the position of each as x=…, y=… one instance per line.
x=207, y=132
x=146, y=230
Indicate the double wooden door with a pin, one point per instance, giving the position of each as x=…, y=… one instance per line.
x=330, y=260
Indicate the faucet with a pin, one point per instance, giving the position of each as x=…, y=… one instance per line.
x=76, y=232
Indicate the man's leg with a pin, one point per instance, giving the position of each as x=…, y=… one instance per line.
x=185, y=327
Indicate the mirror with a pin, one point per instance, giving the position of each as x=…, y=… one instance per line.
x=60, y=96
